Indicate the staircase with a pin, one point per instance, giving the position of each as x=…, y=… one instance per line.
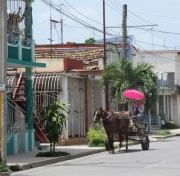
x=19, y=98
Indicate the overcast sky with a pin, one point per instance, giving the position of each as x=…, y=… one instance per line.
x=165, y=13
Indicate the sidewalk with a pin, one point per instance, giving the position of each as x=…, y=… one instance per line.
x=29, y=160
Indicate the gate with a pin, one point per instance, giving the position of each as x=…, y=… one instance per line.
x=76, y=121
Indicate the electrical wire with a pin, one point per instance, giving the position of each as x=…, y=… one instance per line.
x=155, y=44
x=81, y=13
x=78, y=31
x=158, y=15
x=41, y=23
x=156, y=54
x=147, y=22
x=69, y=15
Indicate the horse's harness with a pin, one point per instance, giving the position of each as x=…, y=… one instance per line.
x=109, y=119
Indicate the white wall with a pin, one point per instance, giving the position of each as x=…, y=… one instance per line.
x=163, y=61
x=54, y=64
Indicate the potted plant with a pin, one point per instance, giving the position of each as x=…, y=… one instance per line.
x=53, y=119
x=4, y=170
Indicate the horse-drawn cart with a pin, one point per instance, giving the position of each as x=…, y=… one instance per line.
x=124, y=124
x=135, y=133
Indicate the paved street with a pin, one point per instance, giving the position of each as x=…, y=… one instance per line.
x=163, y=158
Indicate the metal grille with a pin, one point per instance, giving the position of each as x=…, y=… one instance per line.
x=11, y=80
x=47, y=82
x=46, y=89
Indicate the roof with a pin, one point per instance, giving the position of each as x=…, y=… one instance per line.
x=89, y=57
x=67, y=46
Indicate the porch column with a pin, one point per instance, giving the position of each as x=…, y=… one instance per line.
x=164, y=105
x=171, y=110
x=157, y=113
x=28, y=20
x=65, y=101
x=167, y=107
x=29, y=107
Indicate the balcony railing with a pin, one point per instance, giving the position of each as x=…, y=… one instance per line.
x=20, y=48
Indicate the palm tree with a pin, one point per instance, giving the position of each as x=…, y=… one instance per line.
x=122, y=75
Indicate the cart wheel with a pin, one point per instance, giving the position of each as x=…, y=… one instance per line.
x=106, y=144
x=145, y=142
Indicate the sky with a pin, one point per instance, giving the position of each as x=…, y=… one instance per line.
x=164, y=13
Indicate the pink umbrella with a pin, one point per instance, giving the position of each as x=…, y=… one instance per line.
x=133, y=94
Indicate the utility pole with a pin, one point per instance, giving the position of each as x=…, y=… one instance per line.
x=124, y=31
x=61, y=24
x=3, y=77
x=105, y=59
x=50, y=30
x=104, y=31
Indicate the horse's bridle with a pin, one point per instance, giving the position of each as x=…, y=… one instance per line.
x=99, y=115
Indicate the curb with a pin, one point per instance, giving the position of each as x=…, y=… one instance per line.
x=74, y=156
x=165, y=137
x=69, y=157
x=59, y=159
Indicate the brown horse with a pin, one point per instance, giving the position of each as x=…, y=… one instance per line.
x=116, y=122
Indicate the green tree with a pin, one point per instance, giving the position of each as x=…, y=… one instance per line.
x=123, y=76
x=53, y=120
x=90, y=40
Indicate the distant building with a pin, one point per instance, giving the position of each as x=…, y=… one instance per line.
x=167, y=66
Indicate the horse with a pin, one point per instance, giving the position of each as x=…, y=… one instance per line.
x=119, y=123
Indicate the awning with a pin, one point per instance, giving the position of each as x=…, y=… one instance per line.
x=15, y=63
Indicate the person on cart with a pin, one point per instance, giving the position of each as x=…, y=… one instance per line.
x=138, y=109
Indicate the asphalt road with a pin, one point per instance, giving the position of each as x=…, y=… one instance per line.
x=163, y=158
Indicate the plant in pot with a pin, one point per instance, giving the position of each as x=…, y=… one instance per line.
x=53, y=119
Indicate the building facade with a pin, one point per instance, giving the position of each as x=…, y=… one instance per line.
x=167, y=66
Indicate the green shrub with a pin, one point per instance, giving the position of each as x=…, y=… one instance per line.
x=16, y=167
x=169, y=125
x=51, y=154
x=96, y=137
x=3, y=168
x=164, y=133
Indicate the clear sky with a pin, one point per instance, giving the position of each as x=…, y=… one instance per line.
x=165, y=13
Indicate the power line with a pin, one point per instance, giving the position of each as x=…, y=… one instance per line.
x=158, y=15
x=116, y=5
x=41, y=23
x=82, y=14
x=160, y=31
x=65, y=13
x=156, y=45
x=156, y=54
x=78, y=31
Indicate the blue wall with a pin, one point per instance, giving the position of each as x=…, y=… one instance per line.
x=118, y=42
